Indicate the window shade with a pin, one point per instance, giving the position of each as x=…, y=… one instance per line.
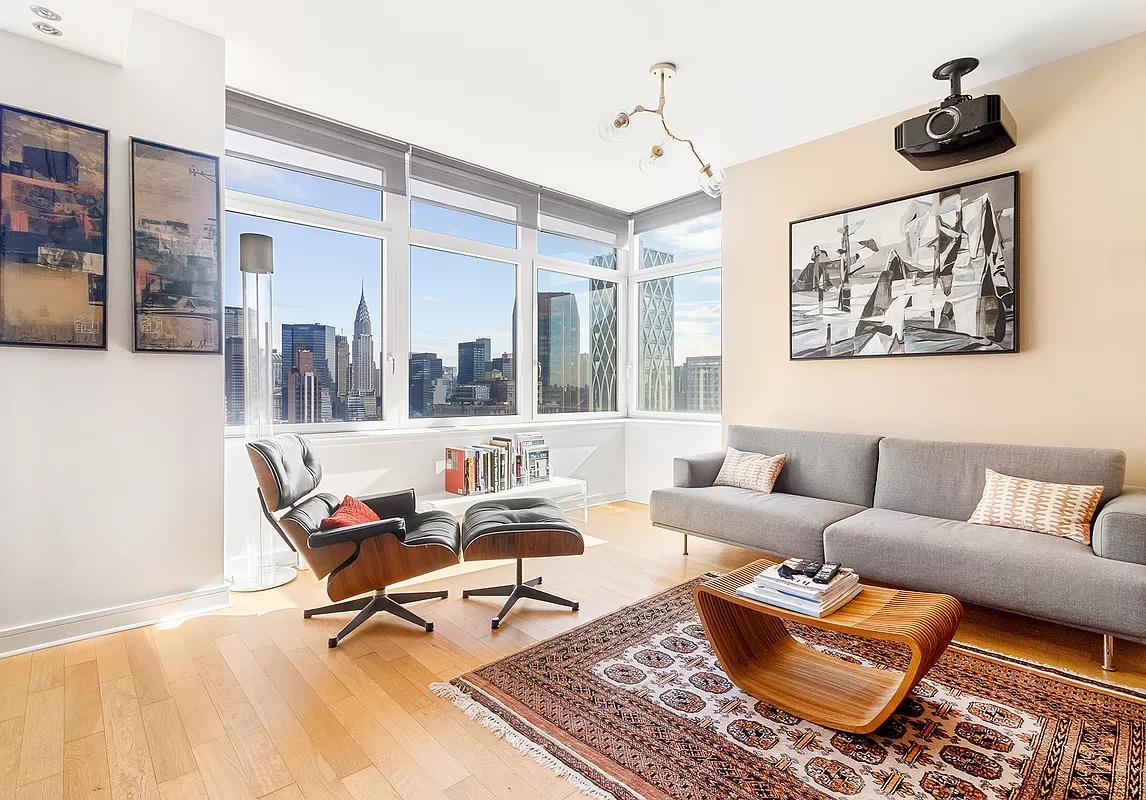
x=279, y=123
x=458, y=176
x=674, y=211
x=586, y=217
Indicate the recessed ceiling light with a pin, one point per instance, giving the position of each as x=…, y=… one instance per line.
x=46, y=13
x=51, y=30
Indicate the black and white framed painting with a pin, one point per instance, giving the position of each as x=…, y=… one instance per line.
x=935, y=273
x=53, y=231
x=175, y=249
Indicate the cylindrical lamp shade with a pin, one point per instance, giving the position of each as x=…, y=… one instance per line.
x=256, y=253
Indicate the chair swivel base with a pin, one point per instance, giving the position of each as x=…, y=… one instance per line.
x=517, y=591
x=370, y=605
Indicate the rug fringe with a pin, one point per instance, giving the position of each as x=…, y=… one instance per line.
x=503, y=730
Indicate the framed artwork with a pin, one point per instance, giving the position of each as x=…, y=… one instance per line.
x=53, y=231
x=935, y=273
x=175, y=249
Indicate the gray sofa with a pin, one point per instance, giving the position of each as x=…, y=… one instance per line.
x=894, y=509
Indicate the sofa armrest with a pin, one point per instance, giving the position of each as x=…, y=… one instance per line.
x=1120, y=528
x=699, y=470
x=357, y=533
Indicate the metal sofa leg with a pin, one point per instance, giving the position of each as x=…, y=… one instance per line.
x=686, y=544
x=1108, y=652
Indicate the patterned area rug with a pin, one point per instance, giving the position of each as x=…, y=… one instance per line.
x=634, y=705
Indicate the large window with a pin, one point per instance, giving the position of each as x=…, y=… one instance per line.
x=326, y=315
x=415, y=290
x=677, y=288
x=576, y=343
x=463, y=319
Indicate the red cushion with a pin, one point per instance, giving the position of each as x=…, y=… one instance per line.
x=351, y=511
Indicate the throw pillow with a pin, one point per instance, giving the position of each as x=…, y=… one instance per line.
x=351, y=511
x=1059, y=509
x=749, y=470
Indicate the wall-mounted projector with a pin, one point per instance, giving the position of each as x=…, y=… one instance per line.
x=958, y=130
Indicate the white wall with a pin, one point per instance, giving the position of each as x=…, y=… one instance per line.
x=651, y=445
x=111, y=479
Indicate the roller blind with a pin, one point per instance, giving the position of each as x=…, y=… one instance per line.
x=286, y=125
x=583, y=218
x=508, y=198
x=674, y=211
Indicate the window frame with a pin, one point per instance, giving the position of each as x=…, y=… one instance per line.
x=638, y=276
x=385, y=230
x=576, y=269
x=395, y=336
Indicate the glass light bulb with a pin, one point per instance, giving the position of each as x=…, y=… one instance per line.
x=613, y=127
x=711, y=180
x=652, y=159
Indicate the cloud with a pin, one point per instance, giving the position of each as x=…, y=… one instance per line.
x=692, y=238
x=257, y=178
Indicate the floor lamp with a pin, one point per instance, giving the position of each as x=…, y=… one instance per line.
x=260, y=569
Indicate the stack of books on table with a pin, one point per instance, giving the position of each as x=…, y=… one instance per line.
x=800, y=593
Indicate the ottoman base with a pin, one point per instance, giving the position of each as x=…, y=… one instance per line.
x=517, y=591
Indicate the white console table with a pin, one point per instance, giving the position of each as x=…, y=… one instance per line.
x=560, y=490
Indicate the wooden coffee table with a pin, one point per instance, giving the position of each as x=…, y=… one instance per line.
x=759, y=656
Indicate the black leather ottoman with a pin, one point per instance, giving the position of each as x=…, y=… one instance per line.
x=518, y=528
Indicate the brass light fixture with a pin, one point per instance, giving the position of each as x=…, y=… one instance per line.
x=614, y=127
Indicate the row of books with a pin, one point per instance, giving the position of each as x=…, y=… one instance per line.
x=503, y=462
x=800, y=593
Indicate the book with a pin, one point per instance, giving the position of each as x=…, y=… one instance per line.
x=455, y=476
x=536, y=463
x=789, y=603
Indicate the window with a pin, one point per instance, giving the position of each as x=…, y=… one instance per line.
x=576, y=343
x=696, y=239
x=678, y=333
x=303, y=188
x=429, y=216
x=327, y=318
x=572, y=248
x=463, y=346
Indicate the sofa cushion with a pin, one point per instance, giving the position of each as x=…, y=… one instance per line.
x=785, y=524
x=1058, y=509
x=1029, y=573
x=830, y=466
x=945, y=479
x=755, y=471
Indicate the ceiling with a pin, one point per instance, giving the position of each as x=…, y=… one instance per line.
x=520, y=85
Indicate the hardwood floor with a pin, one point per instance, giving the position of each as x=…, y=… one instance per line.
x=250, y=702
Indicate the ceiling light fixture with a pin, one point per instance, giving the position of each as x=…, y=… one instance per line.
x=46, y=13
x=614, y=127
x=44, y=27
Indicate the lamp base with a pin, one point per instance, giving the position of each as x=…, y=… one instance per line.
x=256, y=580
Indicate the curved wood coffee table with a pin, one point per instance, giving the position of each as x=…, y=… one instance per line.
x=761, y=658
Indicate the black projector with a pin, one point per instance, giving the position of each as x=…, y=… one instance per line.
x=960, y=129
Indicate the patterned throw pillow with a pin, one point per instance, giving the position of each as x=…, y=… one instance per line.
x=749, y=470
x=1059, y=509
x=351, y=511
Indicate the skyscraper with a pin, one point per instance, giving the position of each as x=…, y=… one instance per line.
x=363, y=350
x=233, y=365
x=318, y=340
x=656, y=345
x=473, y=360
x=341, y=375
x=302, y=389
x=702, y=384
x=603, y=345
x=558, y=351
x=426, y=373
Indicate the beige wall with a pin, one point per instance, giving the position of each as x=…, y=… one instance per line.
x=1080, y=376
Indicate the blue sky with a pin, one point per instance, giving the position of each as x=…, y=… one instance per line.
x=454, y=298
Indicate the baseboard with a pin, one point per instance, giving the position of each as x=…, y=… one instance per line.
x=62, y=630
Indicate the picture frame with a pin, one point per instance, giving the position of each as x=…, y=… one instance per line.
x=176, y=249
x=53, y=231
x=931, y=273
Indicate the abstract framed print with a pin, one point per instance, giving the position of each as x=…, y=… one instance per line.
x=53, y=231
x=935, y=273
x=176, y=255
